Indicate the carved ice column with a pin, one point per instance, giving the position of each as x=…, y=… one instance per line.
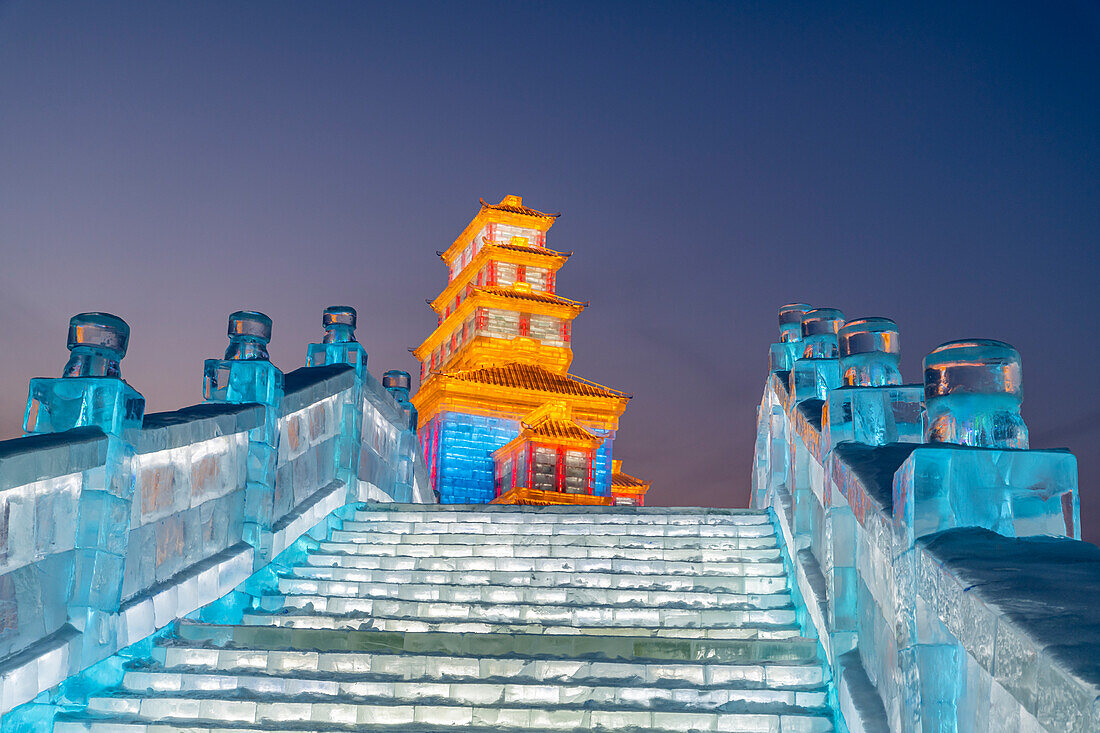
x=810, y=379
x=340, y=347
x=398, y=384
x=976, y=470
x=818, y=369
x=872, y=406
x=789, y=348
x=91, y=392
x=247, y=375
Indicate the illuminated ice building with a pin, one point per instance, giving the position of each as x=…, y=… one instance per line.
x=501, y=418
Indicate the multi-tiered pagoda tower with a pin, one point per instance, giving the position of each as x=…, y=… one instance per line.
x=501, y=418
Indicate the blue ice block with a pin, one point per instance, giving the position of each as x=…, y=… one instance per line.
x=1016, y=493
x=812, y=379
x=873, y=415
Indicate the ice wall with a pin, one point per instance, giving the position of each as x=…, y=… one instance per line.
x=176, y=536
x=938, y=557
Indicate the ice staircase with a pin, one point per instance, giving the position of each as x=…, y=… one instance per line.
x=486, y=618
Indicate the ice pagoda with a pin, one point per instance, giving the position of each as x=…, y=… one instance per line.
x=501, y=418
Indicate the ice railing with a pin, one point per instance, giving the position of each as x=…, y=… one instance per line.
x=935, y=554
x=114, y=523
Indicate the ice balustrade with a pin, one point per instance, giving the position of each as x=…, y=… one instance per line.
x=114, y=523
x=938, y=556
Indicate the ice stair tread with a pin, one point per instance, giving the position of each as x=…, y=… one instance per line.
x=297, y=584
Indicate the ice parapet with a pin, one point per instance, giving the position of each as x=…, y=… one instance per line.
x=818, y=371
x=789, y=348
x=246, y=375
x=972, y=391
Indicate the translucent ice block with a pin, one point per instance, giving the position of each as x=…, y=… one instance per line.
x=813, y=378
x=1015, y=493
x=338, y=345
x=819, y=333
x=973, y=390
x=873, y=415
x=869, y=353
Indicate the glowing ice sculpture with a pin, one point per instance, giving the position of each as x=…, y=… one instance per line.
x=91, y=392
x=976, y=470
x=818, y=370
x=246, y=375
x=338, y=345
x=789, y=348
x=872, y=406
x=398, y=384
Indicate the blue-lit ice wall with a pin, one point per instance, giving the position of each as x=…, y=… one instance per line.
x=185, y=540
x=463, y=455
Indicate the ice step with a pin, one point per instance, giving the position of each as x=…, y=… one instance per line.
x=376, y=687
x=251, y=710
x=84, y=723
x=410, y=666
x=366, y=569
x=589, y=540
x=584, y=614
x=297, y=584
x=306, y=620
x=490, y=548
x=561, y=515
x=553, y=564
x=555, y=528
x=618, y=647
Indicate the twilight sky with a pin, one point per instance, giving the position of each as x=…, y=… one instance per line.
x=938, y=165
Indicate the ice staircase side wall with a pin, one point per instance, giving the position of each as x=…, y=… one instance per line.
x=936, y=613
x=186, y=544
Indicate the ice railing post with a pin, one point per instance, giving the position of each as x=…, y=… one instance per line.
x=246, y=375
x=399, y=384
x=339, y=346
x=782, y=355
x=871, y=405
x=91, y=392
x=812, y=376
x=976, y=469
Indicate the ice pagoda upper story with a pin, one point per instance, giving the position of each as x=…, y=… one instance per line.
x=498, y=360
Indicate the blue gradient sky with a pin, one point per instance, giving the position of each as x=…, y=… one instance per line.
x=937, y=165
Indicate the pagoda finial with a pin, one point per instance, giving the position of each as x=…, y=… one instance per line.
x=511, y=200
